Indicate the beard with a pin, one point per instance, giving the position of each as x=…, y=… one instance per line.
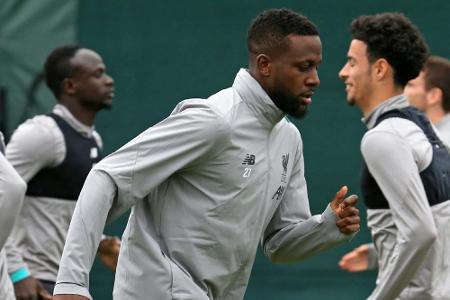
x=98, y=104
x=351, y=101
x=289, y=104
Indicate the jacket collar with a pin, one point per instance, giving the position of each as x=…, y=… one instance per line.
x=64, y=113
x=396, y=102
x=444, y=122
x=257, y=99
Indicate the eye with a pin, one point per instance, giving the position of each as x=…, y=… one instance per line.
x=307, y=66
x=99, y=73
x=351, y=62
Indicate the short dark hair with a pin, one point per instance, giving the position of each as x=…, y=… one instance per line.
x=269, y=29
x=58, y=67
x=437, y=75
x=392, y=36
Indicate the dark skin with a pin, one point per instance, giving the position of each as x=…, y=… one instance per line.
x=289, y=75
x=289, y=79
x=348, y=214
x=108, y=252
x=30, y=289
x=89, y=90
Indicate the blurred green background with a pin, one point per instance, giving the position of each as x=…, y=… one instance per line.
x=160, y=52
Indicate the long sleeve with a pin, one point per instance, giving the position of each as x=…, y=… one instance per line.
x=372, y=257
x=391, y=162
x=293, y=234
x=193, y=132
x=36, y=144
x=12, y=191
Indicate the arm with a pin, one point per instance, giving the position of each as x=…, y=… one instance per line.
x=128, y=175
x=391, y=162
x=12, y=191
x=360, y=259
x=108, y=251
x=293, y=234
x=372, y=257
x=85, y=231
x=36, y=144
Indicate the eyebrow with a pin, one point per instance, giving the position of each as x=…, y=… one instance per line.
x=99, y=68
x=310, y=61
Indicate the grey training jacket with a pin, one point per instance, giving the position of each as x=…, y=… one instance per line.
x=206, y=185
x=37, y=240
x=411, y=238
x=12, y=191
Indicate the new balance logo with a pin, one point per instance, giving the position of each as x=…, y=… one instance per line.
x=249, y=160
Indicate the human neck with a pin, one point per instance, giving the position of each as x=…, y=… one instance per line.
x=80, y=112
x=435, y=114
x=378, y=96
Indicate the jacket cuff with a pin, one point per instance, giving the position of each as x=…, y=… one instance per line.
x=71, y=289
x=331, y=217
x=19, y=275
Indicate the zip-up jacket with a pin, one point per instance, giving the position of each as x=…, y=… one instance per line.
x=12, y=190
x=410, y=233
x=206, y=185
x=41, y=150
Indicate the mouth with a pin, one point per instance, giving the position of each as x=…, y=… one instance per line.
x=110, y=94
x=306, y=98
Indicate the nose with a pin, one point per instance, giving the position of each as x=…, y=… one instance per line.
x=343, y=73
x=313, y=80
x=109, y=80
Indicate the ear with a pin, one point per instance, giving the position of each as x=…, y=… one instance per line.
x=381, y=69
x=264, y=64
x=69, y=86
x=434, y=96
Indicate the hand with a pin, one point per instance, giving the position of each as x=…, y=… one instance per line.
x=108, y=252
x=30, y=289
x=69, y=297
x=346, y=211
x=356, y=260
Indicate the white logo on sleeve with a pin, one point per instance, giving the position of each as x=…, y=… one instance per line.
x=94, y=153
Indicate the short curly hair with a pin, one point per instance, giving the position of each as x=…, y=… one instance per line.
x=268, y=30
x=394, y=37
x=58, y=67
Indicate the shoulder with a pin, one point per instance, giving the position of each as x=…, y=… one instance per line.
x=378, y=140
x=36, y=143
x=41, y=128
x=225, y=100
x=201, y=110
x=199, y=116
x=392, y=132
x=388, y=139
